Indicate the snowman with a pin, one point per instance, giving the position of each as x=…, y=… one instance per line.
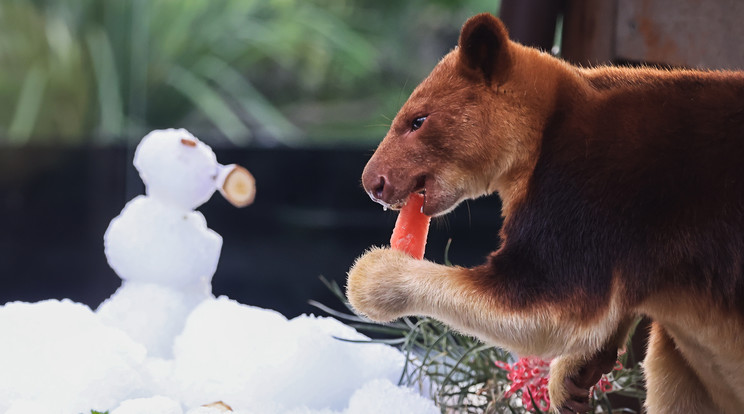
x=159, y=246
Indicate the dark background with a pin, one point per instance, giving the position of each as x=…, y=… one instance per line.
x=60, y=186
x=310, y=218
x=299, y=92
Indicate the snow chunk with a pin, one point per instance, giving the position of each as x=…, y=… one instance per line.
x=59, y=353
x=239, y=354
x=231, y=352
x=153, y=405
x=340, y=367
x=28, y=407
x=382, y=396
x=151, y=314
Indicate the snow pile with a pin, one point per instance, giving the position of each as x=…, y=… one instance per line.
x=163, y=344
x=59, y=353
x=303, y=359
x=58, y=357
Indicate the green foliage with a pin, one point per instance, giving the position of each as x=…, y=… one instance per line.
x=459, y=371
x=250, y=71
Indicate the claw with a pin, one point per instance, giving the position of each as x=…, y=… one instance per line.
x=578, y=401
x=576, y=392
x=573, y=407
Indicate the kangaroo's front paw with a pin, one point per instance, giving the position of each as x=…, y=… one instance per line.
x=376, y=284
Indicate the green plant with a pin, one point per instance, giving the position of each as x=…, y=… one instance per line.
x=248, y=71
x=74, y=67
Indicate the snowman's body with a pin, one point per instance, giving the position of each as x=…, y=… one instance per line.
x=159, y=246
x=173, y=248
x=175, y=256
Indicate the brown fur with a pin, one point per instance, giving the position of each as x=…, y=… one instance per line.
x=623, y=195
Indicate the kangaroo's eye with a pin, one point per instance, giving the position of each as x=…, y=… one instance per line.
x=417, y=123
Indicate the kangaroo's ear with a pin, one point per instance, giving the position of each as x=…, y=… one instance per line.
x=484, y=48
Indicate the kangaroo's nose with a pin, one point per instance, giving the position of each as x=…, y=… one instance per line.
x=378, y=186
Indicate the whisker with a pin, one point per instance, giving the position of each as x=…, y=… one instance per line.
x=400, y=93
x=377, y=125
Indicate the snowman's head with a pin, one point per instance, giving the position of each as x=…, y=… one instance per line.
x=181, y=171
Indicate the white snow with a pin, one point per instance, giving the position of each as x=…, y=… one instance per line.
x=163, y=344
x=177, y=168
x=183, y=249
x=160, y=247
x=60, y=354
x=58, y=357
x=157, y=404
x=166, y=259
x=207, y=345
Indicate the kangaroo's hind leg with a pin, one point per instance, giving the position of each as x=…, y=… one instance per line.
x=673, y=386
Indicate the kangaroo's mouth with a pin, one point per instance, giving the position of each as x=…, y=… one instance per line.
x=392, y=187
x=439, y=199
x=418, y=188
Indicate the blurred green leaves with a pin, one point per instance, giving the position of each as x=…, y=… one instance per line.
x=252, y=72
